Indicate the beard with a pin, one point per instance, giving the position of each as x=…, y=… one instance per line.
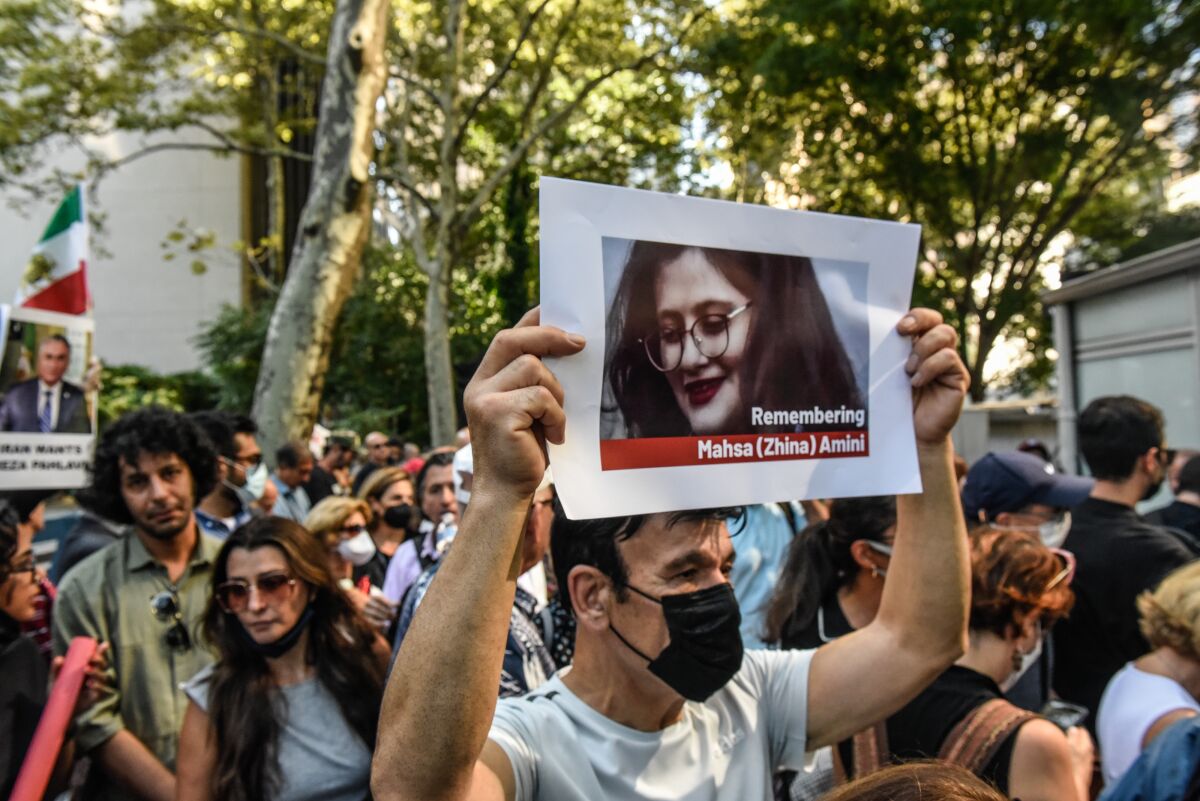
x=163, y=531
x=1152, y=490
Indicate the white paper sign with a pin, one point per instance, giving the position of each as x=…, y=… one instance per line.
x=736, y=354
x=43, y=360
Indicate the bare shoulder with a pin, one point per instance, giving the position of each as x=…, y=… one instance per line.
x=1041, y=738
x=1041, y=752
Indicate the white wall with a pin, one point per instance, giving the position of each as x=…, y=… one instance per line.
x=147, y=310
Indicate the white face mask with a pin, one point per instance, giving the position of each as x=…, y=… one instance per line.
x=1054, y=532
x=1027, y=661
x=883, y=548
x=255, y=486
x=357, y=550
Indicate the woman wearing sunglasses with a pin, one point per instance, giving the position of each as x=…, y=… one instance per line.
x=697, y=336
x=340, y=525
x=288, y=711
x=1019, y=588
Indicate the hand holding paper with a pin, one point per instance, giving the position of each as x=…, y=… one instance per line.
x=514, y=405
x=939, y=378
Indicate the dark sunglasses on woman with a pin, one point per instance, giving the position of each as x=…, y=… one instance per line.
x=234, y=595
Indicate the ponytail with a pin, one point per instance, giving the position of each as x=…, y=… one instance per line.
x=819, y=563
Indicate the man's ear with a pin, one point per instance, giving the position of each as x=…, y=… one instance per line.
x=1149, y=460
x=590, y=592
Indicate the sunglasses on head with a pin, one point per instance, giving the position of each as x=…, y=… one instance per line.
x=234, y=595
x=165, y=606
x=1068, y=571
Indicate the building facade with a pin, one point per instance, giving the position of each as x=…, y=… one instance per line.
x=1131, y=329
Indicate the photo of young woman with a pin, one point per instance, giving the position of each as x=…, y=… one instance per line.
x=698, y=337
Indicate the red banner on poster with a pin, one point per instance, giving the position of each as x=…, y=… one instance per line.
x=631, y=454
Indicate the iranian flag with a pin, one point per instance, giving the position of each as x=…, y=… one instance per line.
x=56, y=277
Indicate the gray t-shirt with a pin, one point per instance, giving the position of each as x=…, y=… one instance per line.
x=320, y=755
x=727, y=748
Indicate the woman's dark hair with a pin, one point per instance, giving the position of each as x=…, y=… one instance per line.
x=9, y=520
x=152, y=430
x=1015, y=577
x=594, y=542
x=794, y=358
x=245, y=707
x=819, y=562
x=932, y=780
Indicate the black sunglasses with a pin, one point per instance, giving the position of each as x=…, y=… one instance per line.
x=165, y=606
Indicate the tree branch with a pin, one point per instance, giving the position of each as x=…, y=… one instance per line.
x=259, y=33
x=500, y=73
x=469, y=215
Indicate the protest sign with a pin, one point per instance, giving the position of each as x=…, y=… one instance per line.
x=47, y=415
x=736, y=354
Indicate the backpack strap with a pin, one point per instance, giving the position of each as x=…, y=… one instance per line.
x=871, y=750
x=790, y=514
x=868, y=753
x=975, y=739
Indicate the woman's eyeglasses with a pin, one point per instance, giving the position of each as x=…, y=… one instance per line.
x=165, y=606
x=354, y=530
x=234, y=595
x=27, y=565
x=710, y=333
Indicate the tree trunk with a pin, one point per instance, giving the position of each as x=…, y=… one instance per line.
x=439, y=369
x=334, y=227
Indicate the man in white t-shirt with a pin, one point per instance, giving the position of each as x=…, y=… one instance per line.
x=660, y=701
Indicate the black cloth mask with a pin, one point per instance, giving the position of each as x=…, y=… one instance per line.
x=705, y=650
x=401, y=517
x=276, y=649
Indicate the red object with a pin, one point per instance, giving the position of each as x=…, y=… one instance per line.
x=364, y=585
x=67, y=295
x=630, y=454
x=52, y=728
x=413, y=466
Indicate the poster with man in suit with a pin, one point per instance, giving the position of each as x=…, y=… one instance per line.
x=47, y=403
x=47, y=398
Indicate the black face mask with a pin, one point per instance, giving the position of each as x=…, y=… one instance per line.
x=705, y=650
x=401, y=516
x=274, y=650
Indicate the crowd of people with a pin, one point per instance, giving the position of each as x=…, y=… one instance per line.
x=399, y=624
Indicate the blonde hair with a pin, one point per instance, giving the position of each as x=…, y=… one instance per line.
x=1171, y=613
x=377, y=484
x=328, y=516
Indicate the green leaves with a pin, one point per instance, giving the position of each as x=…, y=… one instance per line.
x=993, y=125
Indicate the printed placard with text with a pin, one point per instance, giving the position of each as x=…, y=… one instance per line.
x=736, y=354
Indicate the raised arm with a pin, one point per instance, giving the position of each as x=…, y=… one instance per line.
x=432, y=733
x=921, y=625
